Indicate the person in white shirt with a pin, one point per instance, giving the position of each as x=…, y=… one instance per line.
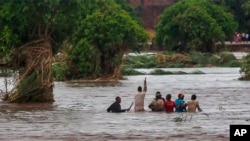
x=139, y=97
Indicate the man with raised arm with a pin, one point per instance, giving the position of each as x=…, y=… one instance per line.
x=139, y=97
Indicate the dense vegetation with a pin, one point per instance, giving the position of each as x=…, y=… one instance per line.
x=90, y=39
x=245, y=68
x=104, y=35
x=194, y=25
x=241, y=11
x=93, y=34
x=177, y=60
x=30, y=32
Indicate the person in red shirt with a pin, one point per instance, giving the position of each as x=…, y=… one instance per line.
x=169, y=105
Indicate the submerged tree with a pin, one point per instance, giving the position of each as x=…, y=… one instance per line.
x=104, y=35
x=31, y=31
x=194, y=25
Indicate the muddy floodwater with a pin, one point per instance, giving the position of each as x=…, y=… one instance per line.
x=79, y=111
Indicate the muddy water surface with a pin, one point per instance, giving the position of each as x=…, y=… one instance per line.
x=79, y=112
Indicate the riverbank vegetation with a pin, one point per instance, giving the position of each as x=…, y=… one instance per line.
x=159, y=61
x=94, y=36
x=245, y=68
x=177, y=60
x=95, y=33
x=199, y=26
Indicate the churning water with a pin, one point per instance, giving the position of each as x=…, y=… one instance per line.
x=79, y=111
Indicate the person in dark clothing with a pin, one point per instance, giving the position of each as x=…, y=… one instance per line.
x=116, y=107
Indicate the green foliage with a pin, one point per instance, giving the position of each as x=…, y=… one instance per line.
x=226, y=57
x=60, y=71
x=30, y=90
x=107, y=32
x=194, y=25
x=130, y=71
x=199, y=58
x=192, y=59
x=163, y=72
x=245, y=67
x=31, y=20
x=127, y=7
x=87, y=59
x=160, y=72
x=32, y=31
x=6, y=73
x=214, y=59
x=223, y=59
x=140, y=61
x=172, y=65
x=232, y=63
x=240, y=9
x=197, y=72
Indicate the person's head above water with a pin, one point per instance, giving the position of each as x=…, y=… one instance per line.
x=181, y=95
x=158, y=95
x=193, y=97
x=118, y=99
x=139, y=88
x=168, y=97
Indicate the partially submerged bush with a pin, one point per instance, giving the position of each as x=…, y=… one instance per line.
x=232, y=63
x=214, y=60
x=180, y=58
x=198, y=58
x=130, y=71
x=223, y=59
x=175, y=65
x=160, y=72
x=140, y=61
x=197, y=72
x=245, y=68
x=177, y=60
x=60, y=71
x=226, y=57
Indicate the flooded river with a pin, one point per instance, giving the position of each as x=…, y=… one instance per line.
x=79, y=111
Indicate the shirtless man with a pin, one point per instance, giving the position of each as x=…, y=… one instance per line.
x=193, y=104
x=139, y=97
x=157, y=104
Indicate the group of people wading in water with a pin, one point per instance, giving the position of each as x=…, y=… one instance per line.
x=159, y=104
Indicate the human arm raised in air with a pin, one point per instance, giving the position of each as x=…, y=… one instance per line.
x=145, y=85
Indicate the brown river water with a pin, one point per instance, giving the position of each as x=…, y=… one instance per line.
x=79, y=111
